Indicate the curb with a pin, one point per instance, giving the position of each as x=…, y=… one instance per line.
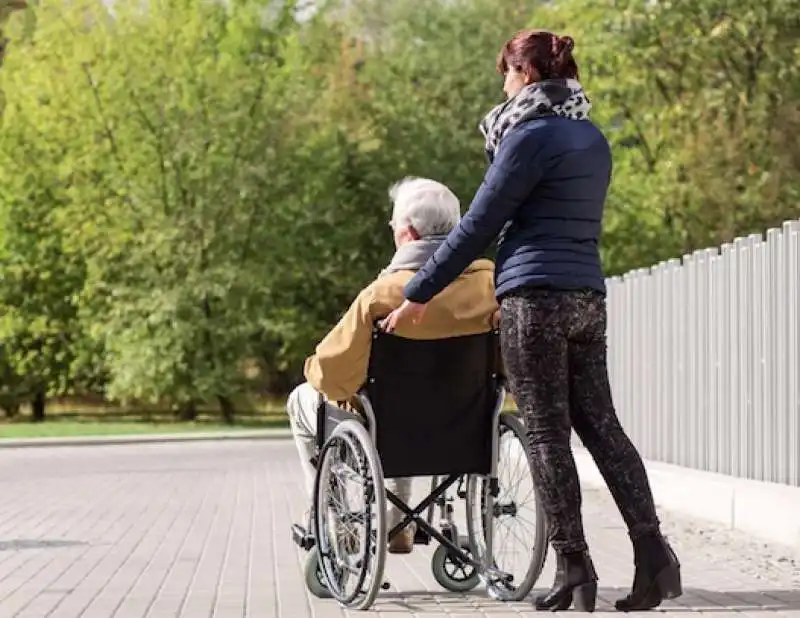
x=153, y=438
x=758, y=508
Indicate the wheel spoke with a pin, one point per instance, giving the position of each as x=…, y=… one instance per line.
x=518, y=543
x=350, y=516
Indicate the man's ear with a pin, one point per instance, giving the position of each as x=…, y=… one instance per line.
x=414, y=234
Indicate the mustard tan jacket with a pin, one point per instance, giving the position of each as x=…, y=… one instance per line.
x=338, y=369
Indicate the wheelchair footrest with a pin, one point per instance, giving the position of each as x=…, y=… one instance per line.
x=302, y=538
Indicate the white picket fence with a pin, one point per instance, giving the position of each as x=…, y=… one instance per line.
x=704, y=357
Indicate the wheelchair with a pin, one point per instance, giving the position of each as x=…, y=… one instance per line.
x=430, y=408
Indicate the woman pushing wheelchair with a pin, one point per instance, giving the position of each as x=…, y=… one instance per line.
x=544, y=194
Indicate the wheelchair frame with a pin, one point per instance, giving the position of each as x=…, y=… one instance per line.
x=439, y=490
x=497, y=582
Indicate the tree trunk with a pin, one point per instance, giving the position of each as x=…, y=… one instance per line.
x=188, y=411
x=38, y=406
x=228, y=411
x=281, y=382
x=225, y=404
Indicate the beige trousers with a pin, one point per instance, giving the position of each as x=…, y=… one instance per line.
x=302, y=410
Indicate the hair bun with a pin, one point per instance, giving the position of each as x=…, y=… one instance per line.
x=567, y=44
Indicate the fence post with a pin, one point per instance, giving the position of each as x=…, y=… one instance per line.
x=704, y=357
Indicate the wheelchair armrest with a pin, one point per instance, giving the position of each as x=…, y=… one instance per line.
x=366, y=406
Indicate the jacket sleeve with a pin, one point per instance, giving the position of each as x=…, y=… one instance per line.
x=508, y=182
x=338, y=368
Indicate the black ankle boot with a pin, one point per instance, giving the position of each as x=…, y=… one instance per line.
x=657, y=575
x=576, y=580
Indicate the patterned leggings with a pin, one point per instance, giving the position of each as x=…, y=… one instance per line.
x=554, y=351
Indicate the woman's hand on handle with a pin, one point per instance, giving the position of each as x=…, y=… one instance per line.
x=406, y=311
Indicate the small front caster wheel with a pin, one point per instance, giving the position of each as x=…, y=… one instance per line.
x=315, y=580
x=450, y=572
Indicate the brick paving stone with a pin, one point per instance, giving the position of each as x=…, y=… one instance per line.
x=202, y=529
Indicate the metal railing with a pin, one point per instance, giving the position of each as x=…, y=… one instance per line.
x=704, y=357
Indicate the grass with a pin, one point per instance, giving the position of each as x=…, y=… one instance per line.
x=62, y=429
x=73, y=419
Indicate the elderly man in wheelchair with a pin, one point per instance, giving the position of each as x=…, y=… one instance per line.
x=379, y=409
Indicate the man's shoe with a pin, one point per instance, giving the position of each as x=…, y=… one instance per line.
x=403, y=541
x=657, y=575
x=350, y=543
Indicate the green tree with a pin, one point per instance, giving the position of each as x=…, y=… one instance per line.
x=699, y=99
x=189, y=117
x=8, y=8
x=219, y=209
x=44, y=348
x=430, y=72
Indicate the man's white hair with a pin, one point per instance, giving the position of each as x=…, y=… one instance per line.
x=428, y=206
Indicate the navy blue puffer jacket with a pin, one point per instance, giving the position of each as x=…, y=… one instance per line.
x=544, y=195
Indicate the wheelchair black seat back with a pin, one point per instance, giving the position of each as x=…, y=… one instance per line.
x=435, y=401
x=430, y=408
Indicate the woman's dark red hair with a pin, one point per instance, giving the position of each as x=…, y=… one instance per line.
x=539, y=53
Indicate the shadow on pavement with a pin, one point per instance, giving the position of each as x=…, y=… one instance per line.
x=693, y=600
x=15, y=544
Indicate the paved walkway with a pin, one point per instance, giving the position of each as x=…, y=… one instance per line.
x=202, y=529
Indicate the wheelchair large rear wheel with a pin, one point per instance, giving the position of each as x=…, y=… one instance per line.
x=350, y=516
x=509, y=532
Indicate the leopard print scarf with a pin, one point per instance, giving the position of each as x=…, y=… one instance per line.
x=553, y=97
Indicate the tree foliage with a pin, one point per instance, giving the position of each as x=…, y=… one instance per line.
x=192, y=192
x=701, y=99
